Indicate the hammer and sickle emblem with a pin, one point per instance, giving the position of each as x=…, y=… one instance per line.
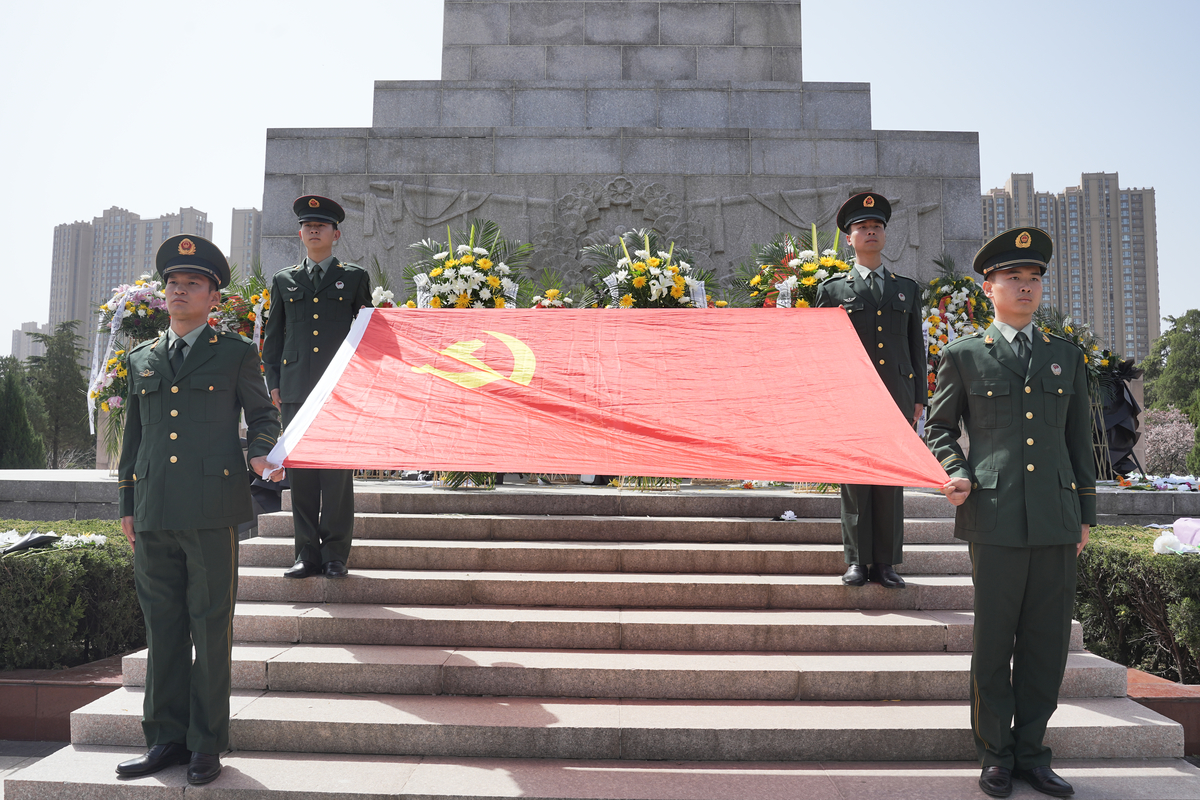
x=523, y=363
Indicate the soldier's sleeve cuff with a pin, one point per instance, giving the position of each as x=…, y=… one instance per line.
x=126, y=500
x=260, y=445
x=1087, y=504
x=956, y=467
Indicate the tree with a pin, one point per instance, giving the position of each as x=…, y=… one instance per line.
x=58, y=380
x=1173, y=367
x=20, y=446
x=35, y=409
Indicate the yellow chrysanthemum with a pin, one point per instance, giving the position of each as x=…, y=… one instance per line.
x=639, y=281
x=463, y=300
x=1104, y=362
x=674, y=270
x=720, y=304
x=104, y=407
x=436, y=302
x=680, y=282
x=677, y=292
x=754, y=294
x=499, y=302
x=827, y=261
x=467, y=259
x=410, y=304
x=493, y=281
x=810, y=267
x=653, y=261
x=809, y=280
x=934, y=349
x=253, y=298
x=436, y=272
x=843, y=266
x=552, y=294
x=801, y=303
x=484, y=264
x=252, y=316
x=637, y=266
x=626, y=301
x=756, y=280
x=449, y=263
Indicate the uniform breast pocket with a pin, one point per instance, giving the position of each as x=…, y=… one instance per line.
x=853, y=307
x=1058, y=392
x=294, y=304
x=335, y=305
x=899, y=314
x=990, y=404
x=224, y=484
x=210, y=398
x=149, y=399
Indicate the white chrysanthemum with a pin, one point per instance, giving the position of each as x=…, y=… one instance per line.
x=621, y=275
x=790, y=282
x=664, y=255
x=477, y=304
x=462, y=248
x=622, y=262
x=691, y=282
x=806, y=255
x=568, y=301
x=459, y=286
x=479, y=251
x=485, y=293
x=441, y=256
x=509, y=285
x=642, y=253
x=449, y=274
x=821, y=274
x=685, y=266
x=829, y=252
x=503, y=268
x=794, y=263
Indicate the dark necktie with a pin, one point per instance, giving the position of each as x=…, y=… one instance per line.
x=177, y=355
x=876, y=290
x=1023, y=349
x=316, y=274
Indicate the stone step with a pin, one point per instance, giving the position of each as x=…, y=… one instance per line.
x=559, y=527
x=402, y=497
x=652, y=557
x=760, y=630
x=624, y=674
x=86, y=771
x=688, y=730
x=602, y=590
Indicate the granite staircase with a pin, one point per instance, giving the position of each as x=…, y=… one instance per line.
x=571, y=642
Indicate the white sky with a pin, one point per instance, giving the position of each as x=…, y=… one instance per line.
x=152, y=106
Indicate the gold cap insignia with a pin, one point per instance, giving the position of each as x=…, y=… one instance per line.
x=187, y=247
x=1024, y=240
x=312, y=203
x=868, y=202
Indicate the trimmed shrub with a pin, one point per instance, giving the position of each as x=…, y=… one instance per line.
x=67, y=607
x=1139, y=608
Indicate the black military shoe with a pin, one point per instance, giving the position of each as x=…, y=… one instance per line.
x=1045, y=781
x=203, y=768
x=855, y=576
x=884, y=574
x=996, y=781
x=336, y=569
x=302, y=569
x=158, y=757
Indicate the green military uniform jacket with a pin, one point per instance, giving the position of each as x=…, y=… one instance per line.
x=1030, y=462
x=181, y=461
x=889, y=330
x=308, y=323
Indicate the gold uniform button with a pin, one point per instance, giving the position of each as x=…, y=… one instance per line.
x=1072, y=485
x=879, y=345
x=989, y=394
x=316, y=316
x=1029, y=467
x=316, y=349
x=315, y=299
x=226, y=473
x=174, y=435
x=879, y=328
x=314, y=333
x=285, y=361
x=910, y=374
x=143, y=391
x=879, y=313
x=881, y=361
x=1029, y=441
x=174, y=390
x=1028, y=390
x=135, y=476
x=174, y=413
x=1060, y=391
x=210, y=388
x=173, y=459
x=1028, y=415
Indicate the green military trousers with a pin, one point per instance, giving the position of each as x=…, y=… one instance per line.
x=186, y=584
x=873, y=524
x=1024, y=598
x=322, y=509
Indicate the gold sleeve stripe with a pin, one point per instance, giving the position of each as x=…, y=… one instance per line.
x=952, y=459
x=270, y=439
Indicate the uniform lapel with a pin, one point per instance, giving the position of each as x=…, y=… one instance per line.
x=200, y=352
x=334, y=273
x=1040, y=347
x=301, y=277
x=890, y=287
x=158, y=358
x=1002, y=351
x=861, y=288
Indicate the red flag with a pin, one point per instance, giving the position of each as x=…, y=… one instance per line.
x=738, y=393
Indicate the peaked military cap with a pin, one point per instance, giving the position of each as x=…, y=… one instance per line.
x=867, y=205
x=314, y=208
x=1014, y=248
x=187, y=252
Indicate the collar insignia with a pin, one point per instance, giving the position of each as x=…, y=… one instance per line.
x=213, y=339
x=1056, y=369
x=989, y=340
x=868, y=202
x=1024, y=240
x=1045, y=338
x=187, y=247
x=146, y=373
x=312, y=203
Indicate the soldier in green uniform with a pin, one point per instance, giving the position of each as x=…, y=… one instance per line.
x=885, y=309
x=312, y=307
x=1026, y=496
x=183, y=492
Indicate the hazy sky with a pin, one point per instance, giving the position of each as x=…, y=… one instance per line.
x=152, y=106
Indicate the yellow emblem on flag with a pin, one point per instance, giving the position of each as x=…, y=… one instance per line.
x=524, y=363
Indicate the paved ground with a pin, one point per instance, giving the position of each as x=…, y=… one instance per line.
x=16, y=756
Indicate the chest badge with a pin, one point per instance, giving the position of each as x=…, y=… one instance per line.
x=292, y=288
x=340, y=285
x=1056, y=369
x=901, y=295
x=146, y=373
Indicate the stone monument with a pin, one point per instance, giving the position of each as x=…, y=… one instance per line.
x=568, y=122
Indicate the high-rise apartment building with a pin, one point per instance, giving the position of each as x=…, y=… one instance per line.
x=1105, y=266
x=25, y=346
x=245, y=237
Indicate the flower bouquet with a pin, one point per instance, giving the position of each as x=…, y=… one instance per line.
x=647, y=276
x=955, y=306
x=482, y=271
x=552, y=294
x=787, y=271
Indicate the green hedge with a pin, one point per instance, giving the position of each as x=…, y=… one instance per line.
x=62, y=608
x=1139, y=608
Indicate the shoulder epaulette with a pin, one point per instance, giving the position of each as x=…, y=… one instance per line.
x=903, y=278
x=350, y=265
x=961, y=339
x=149, y=342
